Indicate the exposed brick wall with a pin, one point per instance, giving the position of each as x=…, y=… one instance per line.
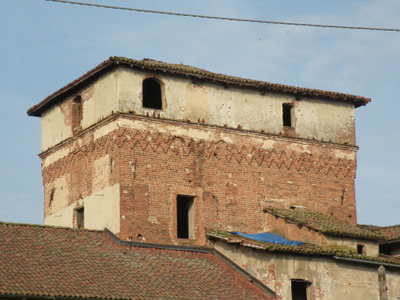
x=232, y=181
x=293, y=231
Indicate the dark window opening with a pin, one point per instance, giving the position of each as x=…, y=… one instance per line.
x=360, y=249
x=185, y=216
x=51, y=196
x=152, y=94
x=287, y=114
x=76, y=113
x=79, y=218
x=299, y=289
x=385, y=249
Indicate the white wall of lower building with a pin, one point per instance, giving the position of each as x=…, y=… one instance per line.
x=101, y=210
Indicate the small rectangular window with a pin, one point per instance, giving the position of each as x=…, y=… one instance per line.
x=79, y=218
x=53, y=190
x=185, y=217
x=152, y=93
x=360, y=249
x=299, y=289
x=389, y=249
x=287, y=114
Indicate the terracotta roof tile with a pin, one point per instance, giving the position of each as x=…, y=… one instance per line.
x=185, y=70
x=51, y=261
x=387, y=233
x=323, y=223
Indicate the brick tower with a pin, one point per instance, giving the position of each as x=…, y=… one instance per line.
x=160, y=152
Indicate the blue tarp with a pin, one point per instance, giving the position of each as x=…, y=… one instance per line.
x=269, y=238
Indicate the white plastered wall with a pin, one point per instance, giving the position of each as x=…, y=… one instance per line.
x=120, y=90
x=54, y=127
x=102, y=210
x=99, y=100
x=371, y=248
x=324, y=120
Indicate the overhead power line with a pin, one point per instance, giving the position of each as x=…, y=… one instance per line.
x=227, y=18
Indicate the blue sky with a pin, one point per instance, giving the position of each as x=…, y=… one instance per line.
x=45, y=45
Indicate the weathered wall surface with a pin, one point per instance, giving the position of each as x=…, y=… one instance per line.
x=62, y=217
x=236, y=107
x=56, y=125
x=330, y=279
x=371, y=248
x=78, y=174
x=102, y=210
x=325, y=121
x=231, y=174
x=99, y=100
x=121, y=91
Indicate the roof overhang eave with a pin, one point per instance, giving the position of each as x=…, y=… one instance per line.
x=37, y=110
x=368, y=262
x=396, y=241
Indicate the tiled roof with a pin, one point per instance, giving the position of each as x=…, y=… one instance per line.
x=305, y=249
x=200, y=74
x=59, y=262
x=323, y=223
x=387, y=233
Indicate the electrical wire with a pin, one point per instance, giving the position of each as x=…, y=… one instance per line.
x=227, y=18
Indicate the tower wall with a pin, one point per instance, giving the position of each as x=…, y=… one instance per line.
x=120, y=91
x=233, y=175
x=234, y=150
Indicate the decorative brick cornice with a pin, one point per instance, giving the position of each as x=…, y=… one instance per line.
x=319, y=164
x=228, y=130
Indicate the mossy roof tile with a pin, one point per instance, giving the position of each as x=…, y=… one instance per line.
x=387, y=233
x=325, y=224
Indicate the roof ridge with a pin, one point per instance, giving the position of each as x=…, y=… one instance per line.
x=120, y=242
x=389, y=226
x=377, y=227
x=118, y=59
x=2, y=223
x=273, y=211
x=295, y=216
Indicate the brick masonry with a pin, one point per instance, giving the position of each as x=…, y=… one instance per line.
x=232, y=176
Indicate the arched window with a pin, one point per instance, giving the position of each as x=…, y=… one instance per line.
x=152, y=96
